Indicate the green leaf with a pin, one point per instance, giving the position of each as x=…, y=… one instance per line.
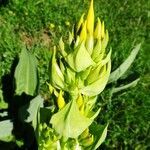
x=79, y=59
x=68, y=122
x=6, y=128
x=26, y=74
x=29, y=112
x=132, y=84
x=97, y=86
x=99, y=133
x=115, y=75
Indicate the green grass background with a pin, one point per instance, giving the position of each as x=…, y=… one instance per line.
x=128, y=21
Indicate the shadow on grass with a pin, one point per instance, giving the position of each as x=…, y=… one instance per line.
x=22, y=131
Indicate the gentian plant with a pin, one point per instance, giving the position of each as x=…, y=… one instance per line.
x=79, y=70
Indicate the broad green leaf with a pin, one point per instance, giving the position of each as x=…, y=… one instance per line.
x=97, y=86
x=69, y=122
x=29, y=112
x=6, y=128
x=132, y=84
x=99, y=133
x=115, y=75
x=26, y=74
x=79, y=59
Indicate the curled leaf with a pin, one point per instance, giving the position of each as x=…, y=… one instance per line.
x=115, y=75
x=56, y=76
x=129, y=85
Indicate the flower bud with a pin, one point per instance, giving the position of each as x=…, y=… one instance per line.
x=97, y=32
x=56, y=76
x=80, y=101
x=90, y=19
x=87, y=141
x=60, y=100
x=83, y=33
x=62, y=47
x=103, y=30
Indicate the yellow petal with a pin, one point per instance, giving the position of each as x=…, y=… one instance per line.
x=97, y=32
x=90, y=19
x=83, y=33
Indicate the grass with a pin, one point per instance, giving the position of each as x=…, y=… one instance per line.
x=28, y=22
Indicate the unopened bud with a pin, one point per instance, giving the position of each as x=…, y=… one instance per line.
x=60, y=100
x=88, y=141
x=80, y=101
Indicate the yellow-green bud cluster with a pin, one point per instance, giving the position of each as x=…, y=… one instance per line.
x=80, y=67
x=47, y=138
x=83, y=67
